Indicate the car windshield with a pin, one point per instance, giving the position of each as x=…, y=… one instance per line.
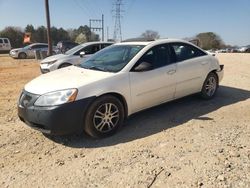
x=112, y=59
x=75, y=49
x=27, y=47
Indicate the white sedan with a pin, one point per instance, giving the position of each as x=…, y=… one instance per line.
x=118, y=81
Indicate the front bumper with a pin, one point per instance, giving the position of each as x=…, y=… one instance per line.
x=13, y=54
x=45, y=67
x=56, y=120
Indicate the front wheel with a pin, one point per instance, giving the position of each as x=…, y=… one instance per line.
x=22, y=55
x=104, y=116
x=210, y=86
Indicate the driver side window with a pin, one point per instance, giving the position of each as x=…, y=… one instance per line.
x=157, y=56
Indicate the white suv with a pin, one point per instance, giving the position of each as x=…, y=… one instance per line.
x=5, y=45
x=116, y=82
x=72, y=57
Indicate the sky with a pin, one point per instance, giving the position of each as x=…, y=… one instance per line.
x=230, y=19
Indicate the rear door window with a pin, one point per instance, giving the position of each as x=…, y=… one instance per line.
x=185, y=51
x=1, y=41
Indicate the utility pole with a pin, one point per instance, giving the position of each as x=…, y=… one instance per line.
x=117, y=28
x=107, y=33
x=98, y=25
x=48, y=28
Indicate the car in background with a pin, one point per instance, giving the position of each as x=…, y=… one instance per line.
x=64, y=46
x=29, y=51
x=211, y=52
x=5, y=45
x=73, y=56
x=245, y=49
x=116, y=82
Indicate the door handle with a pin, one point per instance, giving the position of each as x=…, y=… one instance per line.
x=171, y=72
x=204, y=62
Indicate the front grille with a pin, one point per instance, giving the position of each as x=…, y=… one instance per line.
x=27, y=99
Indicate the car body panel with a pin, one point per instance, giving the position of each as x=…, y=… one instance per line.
x=144, y=85
x=73, y=77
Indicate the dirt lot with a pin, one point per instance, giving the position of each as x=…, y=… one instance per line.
x=185, y=143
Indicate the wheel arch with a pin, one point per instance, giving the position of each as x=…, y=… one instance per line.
x=215, y=72
x=64, y=63
x=22, y=53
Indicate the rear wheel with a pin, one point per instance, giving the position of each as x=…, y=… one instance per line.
x=22, y=55
x=104, y=116
x=210, y=86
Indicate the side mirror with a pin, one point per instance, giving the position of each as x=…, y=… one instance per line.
x=143, y=66
x=82, y=54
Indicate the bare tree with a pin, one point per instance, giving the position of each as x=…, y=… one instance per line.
x=150, y=34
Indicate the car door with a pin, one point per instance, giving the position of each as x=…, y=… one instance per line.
x=6, y=44
x=30, y=52
x=152, y=87
x=192, y=65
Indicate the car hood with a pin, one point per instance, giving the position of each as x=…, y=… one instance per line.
x=65, y=78
x=16, y=49
x=53, y=58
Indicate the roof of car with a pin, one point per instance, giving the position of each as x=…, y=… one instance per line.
x=157, y=41
x=96, y=42
x=37, y=44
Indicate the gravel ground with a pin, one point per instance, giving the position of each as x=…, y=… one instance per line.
x=186, y=143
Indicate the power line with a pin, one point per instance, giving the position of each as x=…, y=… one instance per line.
x=99, y=25
x=117, y=28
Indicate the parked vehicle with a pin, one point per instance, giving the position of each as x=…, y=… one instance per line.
x=64, y=46
x=29, y=51
x=116, y=82
x=245, y=49
x=5, y=45
x=72, y=57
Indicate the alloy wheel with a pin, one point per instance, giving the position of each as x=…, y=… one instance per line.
x=106, y=117
x=211, y=85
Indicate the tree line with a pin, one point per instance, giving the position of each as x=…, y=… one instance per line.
x=16, y=35
x=207, y=40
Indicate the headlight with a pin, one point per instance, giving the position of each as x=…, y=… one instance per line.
x=49, y=62
x=57, y=98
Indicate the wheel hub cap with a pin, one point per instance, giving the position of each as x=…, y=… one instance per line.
x=106, y=117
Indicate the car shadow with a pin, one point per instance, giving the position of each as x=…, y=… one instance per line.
x=160, y=118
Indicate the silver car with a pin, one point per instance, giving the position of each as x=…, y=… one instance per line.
x=73, y=56
x=28, y=51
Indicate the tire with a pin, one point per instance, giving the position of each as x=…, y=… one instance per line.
x=64, y=65
x=22, y=55
x=104, y=117
x=210, y=86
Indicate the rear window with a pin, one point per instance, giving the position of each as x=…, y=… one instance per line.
x=1, y=41
x=6, y=40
